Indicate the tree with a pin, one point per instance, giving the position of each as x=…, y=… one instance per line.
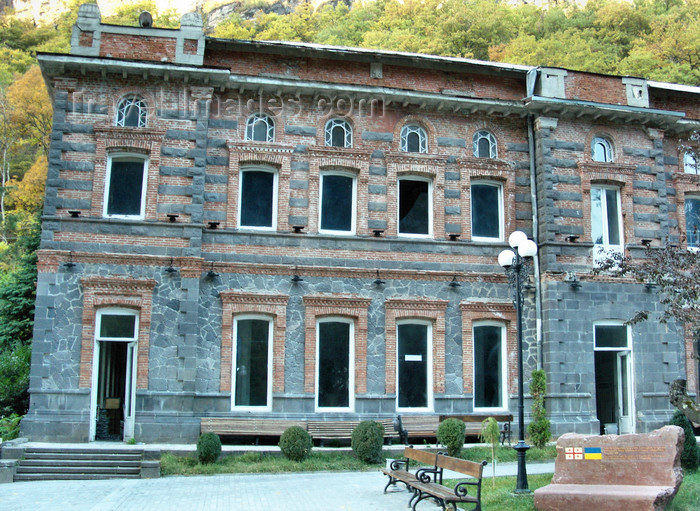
x=30, y=109
x=674, y=272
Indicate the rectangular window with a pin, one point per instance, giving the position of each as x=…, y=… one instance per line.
x=335, y=371
x=487, y=211
x=337, y=211
x=692, y=222
x=489, y=371
x=258, y=199
x=415, y=207
x=252, y=370
x=606, y=216
x=126, y=187
x=414, y=363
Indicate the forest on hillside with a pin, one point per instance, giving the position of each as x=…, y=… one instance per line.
x=655, y=39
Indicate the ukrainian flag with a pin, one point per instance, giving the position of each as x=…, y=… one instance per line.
x=592, y=453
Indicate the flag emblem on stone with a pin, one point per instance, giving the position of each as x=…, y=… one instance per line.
x=573, y=453
x=593, y=453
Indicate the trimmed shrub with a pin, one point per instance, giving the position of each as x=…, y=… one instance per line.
x=690, y=457
x=367, y=440
x=296, y=443
x=208, y=448
x=539, y=428
x=450, y=433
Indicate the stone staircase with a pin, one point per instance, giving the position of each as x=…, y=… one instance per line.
x=64, y=462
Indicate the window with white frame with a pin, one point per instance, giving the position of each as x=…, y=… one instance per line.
x=414, y=364
x=132, y=111
x=601, y=150
x=338, y=133
x=484, y=145
x=260, y=128
x=487, y=211
x=490, y=387
x=692, y=221
x=337, y=210
x=335, y=368
x=252, y=370
x=258, y=198
x=606, y=217
x=415, y=211
x=690, y=163
x=414, y=139
x=125, y=186
x=115, y=324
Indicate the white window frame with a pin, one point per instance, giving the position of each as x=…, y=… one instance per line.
x=430, y=207
x=690, y=164
x=696, y=245
x=601, y=250
x=125, y=104
x=108, y=178
x=275, y=185
x=504, y=366
x=493, y=144
x=270, y=338
x=501, y=216
x=422, y=138
x=351, y=367
x=353, y=223
x=429, y=367
x=609, y=155
x=250, y=127
x=338, y=123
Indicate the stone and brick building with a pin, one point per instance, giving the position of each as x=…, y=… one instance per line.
x=246, y=228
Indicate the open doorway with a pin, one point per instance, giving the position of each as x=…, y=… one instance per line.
x=114, y=368
x=613, y=382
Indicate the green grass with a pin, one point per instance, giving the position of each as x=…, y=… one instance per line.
x=503, y=454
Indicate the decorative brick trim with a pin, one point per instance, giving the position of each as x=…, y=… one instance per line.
x=416, y=308
x=265, y=154
x=352, y=307
x=488, y=311
x=236, y=303
x=100, y=292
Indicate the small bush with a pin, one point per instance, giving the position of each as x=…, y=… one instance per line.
x=208, y=448
x=9, y=427
x=367, y=440
x=450, y=433
x=296, y=443
x=690, y=457
x=539, y=428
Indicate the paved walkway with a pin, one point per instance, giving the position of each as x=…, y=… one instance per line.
x=320, y=491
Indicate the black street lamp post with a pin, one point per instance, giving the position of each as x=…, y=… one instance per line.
x=516, y=264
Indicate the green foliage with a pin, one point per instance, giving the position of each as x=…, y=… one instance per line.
x=690, y=457
x=490, y=434
x=296, y=443
x=208, y=448
x=450, y=433
x=14, y=380
x=539, y=428
x=9, y=427
x=367, y=440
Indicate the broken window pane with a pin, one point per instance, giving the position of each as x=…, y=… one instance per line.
x=488, y=367
x=334, y=364
x=336, y=202
x=414, y=207
x=251, y=370
x=257, y=198
x=125, y=192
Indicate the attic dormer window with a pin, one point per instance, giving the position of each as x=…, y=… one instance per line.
x=133, y=112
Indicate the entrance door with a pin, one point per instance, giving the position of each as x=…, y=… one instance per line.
x=623, y=393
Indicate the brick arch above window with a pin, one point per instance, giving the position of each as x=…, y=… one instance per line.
x=101, y=292
x=235, y=303
x=473, y=312
x=421, y=309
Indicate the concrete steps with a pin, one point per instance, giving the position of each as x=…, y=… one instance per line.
x=62, y=463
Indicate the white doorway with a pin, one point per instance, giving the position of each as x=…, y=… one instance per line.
x=614, y=378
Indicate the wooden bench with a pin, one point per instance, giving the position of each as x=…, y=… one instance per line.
x=445, y=495
x=342, y=430
x=417, y=426
x=638, y=472
x=473, y=423
x=256, y=427
x=399, y=471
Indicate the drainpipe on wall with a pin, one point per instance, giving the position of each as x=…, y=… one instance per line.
x=531, y=81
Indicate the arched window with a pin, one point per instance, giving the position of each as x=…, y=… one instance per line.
x=132, y=111
x=260, y=128
x=484, y=144
x=601, y=150
x=338, y=133
x=414, y=139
